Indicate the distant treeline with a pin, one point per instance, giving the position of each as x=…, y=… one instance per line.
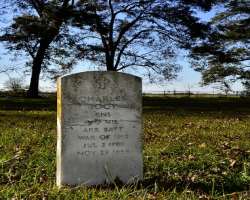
x=196, y=93
x=22, y=93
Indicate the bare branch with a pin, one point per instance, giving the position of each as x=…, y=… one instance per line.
x=126, y=28
x=126, y=45
x=111, y=25
x=127, y=8
x=38, y=6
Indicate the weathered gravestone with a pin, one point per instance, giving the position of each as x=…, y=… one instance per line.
x=99, y=128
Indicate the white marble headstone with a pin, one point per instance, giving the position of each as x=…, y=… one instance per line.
x=99, y=128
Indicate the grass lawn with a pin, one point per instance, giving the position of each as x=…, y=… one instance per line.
x=194, y=148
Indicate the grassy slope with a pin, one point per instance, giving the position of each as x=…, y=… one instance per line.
x=193, y=147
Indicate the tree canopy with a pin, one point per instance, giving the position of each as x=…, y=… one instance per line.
x=139, y=34
x=113, y=34
x=39, y=30
x=224, y=55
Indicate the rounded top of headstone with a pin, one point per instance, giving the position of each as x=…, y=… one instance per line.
x=99, y=73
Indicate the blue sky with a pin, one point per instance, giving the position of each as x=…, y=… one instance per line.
x=187, y=79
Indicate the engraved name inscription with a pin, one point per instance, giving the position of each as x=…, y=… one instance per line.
x=103, y=133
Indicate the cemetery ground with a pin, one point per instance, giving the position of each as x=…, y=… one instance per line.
x=194, y=148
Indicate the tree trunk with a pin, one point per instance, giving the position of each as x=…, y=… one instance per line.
x=110, y=68
x=110, y=63
x=34, y=81
x=36, y=70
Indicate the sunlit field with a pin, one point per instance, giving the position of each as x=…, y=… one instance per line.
x=194, y=148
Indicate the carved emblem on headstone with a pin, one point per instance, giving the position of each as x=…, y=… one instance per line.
x=101, y=82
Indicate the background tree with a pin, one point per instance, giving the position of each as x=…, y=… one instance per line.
x=14, y=84
x=119, y=34
x=147, y=34
x=39, y=30
x=224, y=56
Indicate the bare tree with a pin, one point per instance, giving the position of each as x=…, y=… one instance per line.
x=14, y=84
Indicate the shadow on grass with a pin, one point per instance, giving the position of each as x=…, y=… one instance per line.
x=166, y=183
x=21, y=103
x=180, y=105
x=196, y=105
